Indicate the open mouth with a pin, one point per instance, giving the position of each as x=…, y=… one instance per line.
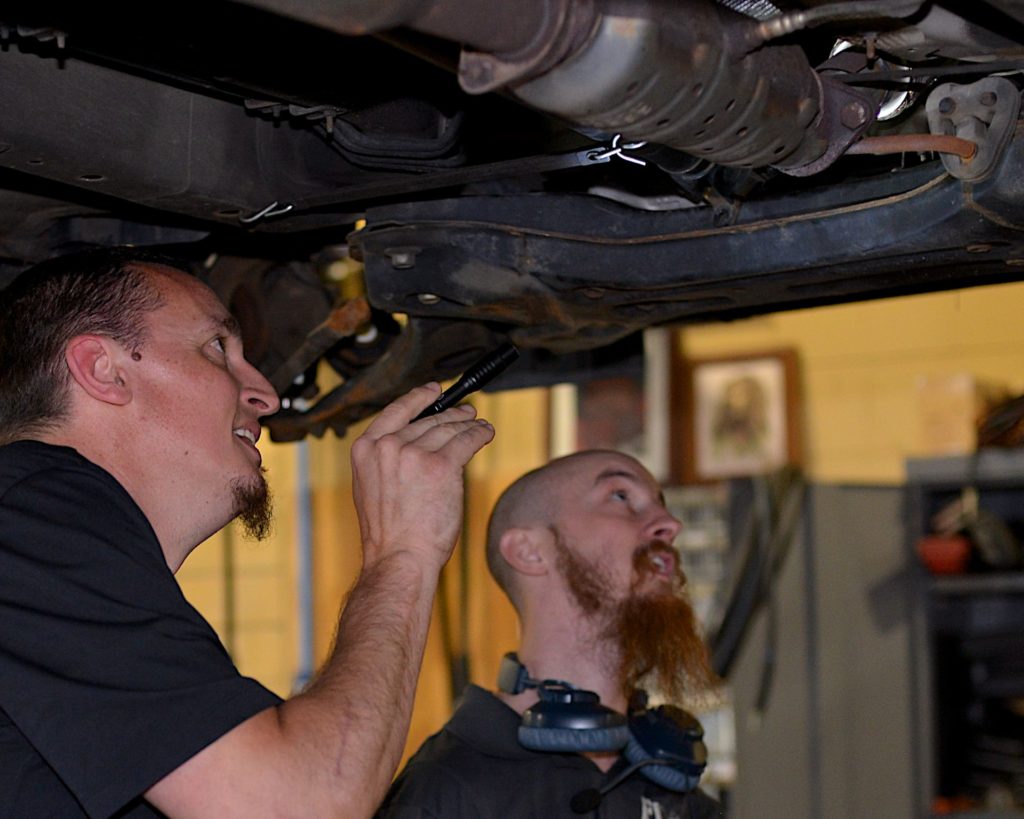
x=246, y=434
x=658, y=559
x=249, y=438
x=664, y=563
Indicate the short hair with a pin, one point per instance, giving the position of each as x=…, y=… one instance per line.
x=102, y=291
x=531, y=500
x=535, y=499
x=509, y=512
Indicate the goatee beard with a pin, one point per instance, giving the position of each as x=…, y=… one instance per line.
x=651, y=638
x=254, y=507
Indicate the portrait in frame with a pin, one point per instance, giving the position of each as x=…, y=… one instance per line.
x=741, y=416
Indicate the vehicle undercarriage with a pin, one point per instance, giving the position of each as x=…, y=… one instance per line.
x=394, y=187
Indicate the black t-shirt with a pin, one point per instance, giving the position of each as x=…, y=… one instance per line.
x=109, y=679
x=475, y=768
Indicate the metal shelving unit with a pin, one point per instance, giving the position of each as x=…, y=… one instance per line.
x=968, y=648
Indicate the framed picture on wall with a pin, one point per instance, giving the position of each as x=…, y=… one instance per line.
x=628, y=412
x=741, y=416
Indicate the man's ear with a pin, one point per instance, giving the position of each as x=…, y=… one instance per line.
x=525, y=549
x=94, y=362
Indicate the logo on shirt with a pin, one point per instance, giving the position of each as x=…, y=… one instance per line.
x=649, y=809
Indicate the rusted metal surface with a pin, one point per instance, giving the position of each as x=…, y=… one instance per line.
x=918, y=143
x=563, y=289
x=442, y=349
x=343, y=321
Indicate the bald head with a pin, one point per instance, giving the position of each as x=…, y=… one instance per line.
x=537, y=499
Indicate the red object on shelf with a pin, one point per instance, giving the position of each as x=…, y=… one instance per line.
x=944, y=805
x=944, y=554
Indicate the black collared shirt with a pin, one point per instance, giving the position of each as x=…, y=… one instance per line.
x=475, y=768
x=109, y=679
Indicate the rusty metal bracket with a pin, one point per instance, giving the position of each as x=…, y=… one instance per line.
x=844, y=118
x=436, y=347
x=344, y=320
x=984, y=112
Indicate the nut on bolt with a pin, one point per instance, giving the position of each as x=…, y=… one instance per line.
x=854, y=114
x=402, y=257
x=476, y=70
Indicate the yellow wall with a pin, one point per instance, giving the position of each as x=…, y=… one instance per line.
x=263, y=636
x=862, y=418
x=860, y=363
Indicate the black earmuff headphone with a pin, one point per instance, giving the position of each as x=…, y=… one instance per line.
x=665, y=743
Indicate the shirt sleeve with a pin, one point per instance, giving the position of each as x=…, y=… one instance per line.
x=104, y=666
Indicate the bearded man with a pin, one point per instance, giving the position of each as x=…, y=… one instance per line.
x=582, y=548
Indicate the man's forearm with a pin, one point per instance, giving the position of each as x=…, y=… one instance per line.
x=332, y=750
x=359, y=706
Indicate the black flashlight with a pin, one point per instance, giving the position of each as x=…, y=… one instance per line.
x=473, y=379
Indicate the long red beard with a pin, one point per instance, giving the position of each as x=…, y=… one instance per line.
x=655, y=634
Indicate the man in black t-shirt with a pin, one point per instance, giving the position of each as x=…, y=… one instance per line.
x=582, y=547
x=128, y=426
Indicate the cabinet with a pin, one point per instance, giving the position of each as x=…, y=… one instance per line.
x=832, y=740
x=968, y=650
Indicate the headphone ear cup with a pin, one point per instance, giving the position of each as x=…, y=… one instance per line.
x=572, y=727
x=673, y=735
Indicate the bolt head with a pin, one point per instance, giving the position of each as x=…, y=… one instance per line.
x=402, y=258
x=476, y=70
x=947, y=105
x=854, y=114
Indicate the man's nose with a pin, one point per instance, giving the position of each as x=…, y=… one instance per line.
x=662, y=526
x=258, y=393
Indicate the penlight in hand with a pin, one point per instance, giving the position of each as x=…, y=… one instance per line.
x=473, y=379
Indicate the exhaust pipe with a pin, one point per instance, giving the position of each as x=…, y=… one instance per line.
x=684, y=74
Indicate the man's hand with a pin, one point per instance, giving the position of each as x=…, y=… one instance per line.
x=331, y=751
x=407, y=477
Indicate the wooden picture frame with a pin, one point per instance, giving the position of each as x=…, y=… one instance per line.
x=740, y=416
